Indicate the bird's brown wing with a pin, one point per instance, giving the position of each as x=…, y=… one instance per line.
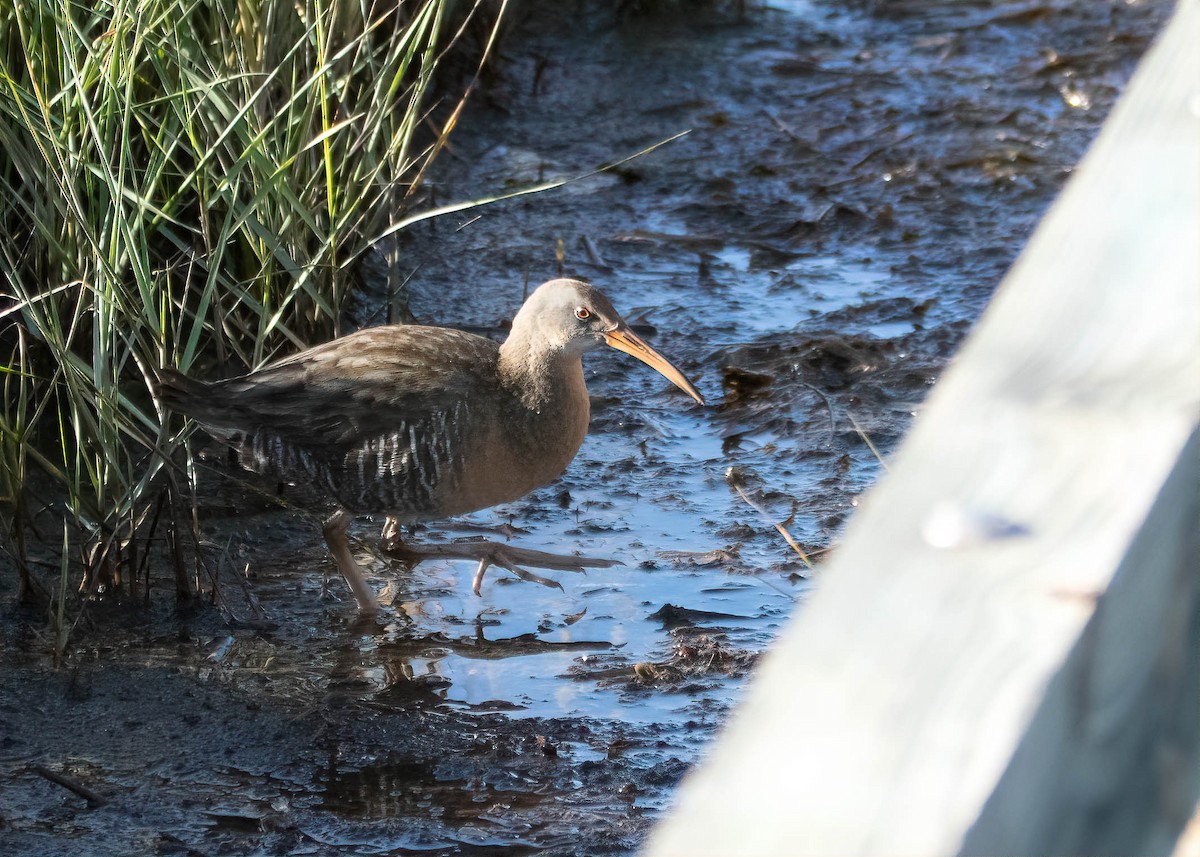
x=350, y=390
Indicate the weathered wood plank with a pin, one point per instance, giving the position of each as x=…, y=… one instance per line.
x=1005, y=655
x=1108, y=763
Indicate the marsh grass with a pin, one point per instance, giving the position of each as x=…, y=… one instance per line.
x=183, y=183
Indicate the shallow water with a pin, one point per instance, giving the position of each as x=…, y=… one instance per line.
x=857, y=180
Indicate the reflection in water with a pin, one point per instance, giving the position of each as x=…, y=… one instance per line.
x=395, y=664
x=470, y=815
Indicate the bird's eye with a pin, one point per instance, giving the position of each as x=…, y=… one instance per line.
x=582, y=313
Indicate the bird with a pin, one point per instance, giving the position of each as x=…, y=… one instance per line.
x=420, y=423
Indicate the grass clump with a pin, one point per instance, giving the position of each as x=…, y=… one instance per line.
x=182, y=181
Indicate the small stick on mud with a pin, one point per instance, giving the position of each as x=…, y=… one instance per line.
x=867, y=441
x=593, y=253
x=904, y=138
x=785, y=128
x=94, y=800
x=828, y=407
x=734, y=478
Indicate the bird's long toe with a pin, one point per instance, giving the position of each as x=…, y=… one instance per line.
x=554, y=561
x=502, y=559
x=490, y=553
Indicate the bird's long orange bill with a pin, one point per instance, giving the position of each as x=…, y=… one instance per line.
x=624, y=339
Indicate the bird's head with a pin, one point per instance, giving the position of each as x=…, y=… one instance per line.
x=574, y=317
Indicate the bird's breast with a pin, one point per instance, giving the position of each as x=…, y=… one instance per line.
x=522, y=445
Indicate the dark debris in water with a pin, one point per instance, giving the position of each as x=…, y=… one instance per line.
x=699, y=650
x=843, y=386
x=673, y=617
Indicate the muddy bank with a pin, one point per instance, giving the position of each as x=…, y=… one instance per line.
x=856, y=181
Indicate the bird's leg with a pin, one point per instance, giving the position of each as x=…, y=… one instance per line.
x=491, y=553
x=339, y=548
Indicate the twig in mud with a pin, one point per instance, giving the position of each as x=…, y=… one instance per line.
x=785, y=128
x=828, y=407
x=775, y=587
x=867, y=440
x=469, y=222
x=734, y=478
x=593, y=253
x=881, y=149
x=541, y=63
x=94, y=800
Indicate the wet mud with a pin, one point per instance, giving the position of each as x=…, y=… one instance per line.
x=856, y=180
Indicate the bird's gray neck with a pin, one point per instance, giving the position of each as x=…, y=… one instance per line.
x=544, y=375
x=548, y=426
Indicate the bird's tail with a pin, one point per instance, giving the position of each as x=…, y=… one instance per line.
x=184, y=395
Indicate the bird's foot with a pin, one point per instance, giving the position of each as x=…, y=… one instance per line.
x=390, y=537
x=493, y=553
